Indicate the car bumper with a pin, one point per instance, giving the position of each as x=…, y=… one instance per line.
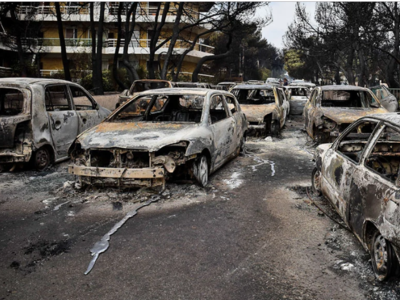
x=119, y=176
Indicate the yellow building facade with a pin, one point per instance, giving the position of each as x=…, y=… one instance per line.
x=77, y=34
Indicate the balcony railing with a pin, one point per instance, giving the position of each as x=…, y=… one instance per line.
x=84, y=10
x=51, y=10
x=135, y=43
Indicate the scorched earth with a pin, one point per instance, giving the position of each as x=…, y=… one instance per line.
x=252, y=233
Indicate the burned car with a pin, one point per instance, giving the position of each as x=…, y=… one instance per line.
x=142, y=85
x=40, y=119
x=265, y=106
x=297, y=97
x=331, y=108
x=359, y=174
x=387, y=99
x=160, y=134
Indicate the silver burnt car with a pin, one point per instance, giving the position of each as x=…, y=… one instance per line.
x=40, y=119
x=160, y=134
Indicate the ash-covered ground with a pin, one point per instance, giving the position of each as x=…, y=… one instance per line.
x=253, y=233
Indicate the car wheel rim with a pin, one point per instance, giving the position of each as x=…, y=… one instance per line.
x=317, y=181
x=381, y=255
x=42, y=158
x=203, y=171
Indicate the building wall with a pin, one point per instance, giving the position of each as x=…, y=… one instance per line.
x=52, y=63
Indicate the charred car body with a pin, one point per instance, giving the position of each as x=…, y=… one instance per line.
x=189, y=132
x=265, y=106
x=387, y=99
x=40, y=118
x=297, y=97
x=359, y=174
x=142, y=85
x=331, y=108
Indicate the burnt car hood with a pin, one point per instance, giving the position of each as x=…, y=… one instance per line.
x=255, y=113
x=349, y=115
x=138, y=136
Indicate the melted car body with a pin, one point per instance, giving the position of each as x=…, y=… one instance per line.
x=40, y=118
x=331, y=108
x=297, y=97
x=265, y=106
x=359, y=174
x=386, y=98
x=158, y=134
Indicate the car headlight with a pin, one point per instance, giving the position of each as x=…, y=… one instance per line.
x=328, y=124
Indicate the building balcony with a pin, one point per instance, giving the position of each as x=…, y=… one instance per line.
x=143, y=14
x=136, y=46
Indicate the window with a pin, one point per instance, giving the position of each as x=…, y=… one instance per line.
x=354, y=142
x=81, y=100
x=11, y=102
x=232, y=104
x=217, y=109
x=348, y=98
x=56, y=98
x=280, y=97
x=313, y=97
x=384, y=158
x=71, y=33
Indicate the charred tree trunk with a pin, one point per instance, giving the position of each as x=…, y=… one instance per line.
x=116, y=53
x=21, y=54
x=174, y=38
x=93, y=36
x=64, y=58
x=129, y=29
x=195, y=75
x=154, y=38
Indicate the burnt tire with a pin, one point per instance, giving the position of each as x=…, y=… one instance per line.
x=242, y=146
x=383, y=257
x=41, y=159
x=200, y=170
x=274, y=129
x=316, y=182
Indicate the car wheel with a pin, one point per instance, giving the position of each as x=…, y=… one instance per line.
x=201, y=170
x=274, y=128
x=384, y=261
x=41, y=159
x=243, y=144
x=316, y=182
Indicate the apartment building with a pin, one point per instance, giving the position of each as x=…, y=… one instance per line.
x=77, y=34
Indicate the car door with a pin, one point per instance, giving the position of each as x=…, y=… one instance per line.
x=279, y=109
x=86, y=108
x=342, y=160
x=309, y=111
x=285, y=104
x=223, y=127
x=63, y=119
x=375, y=182
x=238, y=117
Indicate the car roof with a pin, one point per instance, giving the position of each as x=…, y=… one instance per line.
x=252, y=87
x=182, y=90
x=27, y=81
x=392, y=117
x=343, y=88
x=295, y=86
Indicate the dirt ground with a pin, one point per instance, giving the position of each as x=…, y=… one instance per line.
x=252, y=233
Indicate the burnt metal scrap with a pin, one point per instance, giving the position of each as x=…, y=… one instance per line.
x=359, y=174
x=160, y=134
x=330, y=109
x=265, y=106
x=102, y=245
x=40, y=118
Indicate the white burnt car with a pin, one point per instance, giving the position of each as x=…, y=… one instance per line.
x=359, y=174
x=158, y=134
x=40, y=119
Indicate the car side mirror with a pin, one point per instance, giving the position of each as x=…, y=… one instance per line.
x=375, y=104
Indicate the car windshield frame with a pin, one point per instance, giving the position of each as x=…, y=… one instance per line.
x=176, y=108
